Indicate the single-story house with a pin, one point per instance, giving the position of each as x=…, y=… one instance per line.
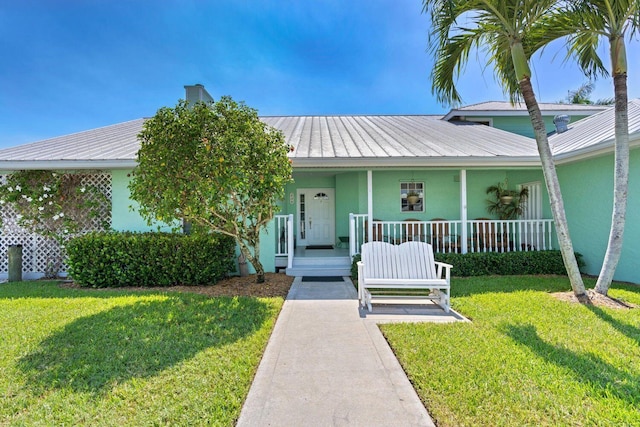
x=393, y=178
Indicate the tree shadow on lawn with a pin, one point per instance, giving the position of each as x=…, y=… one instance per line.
x=605, y=379
x=140, y=340
x=626, y=329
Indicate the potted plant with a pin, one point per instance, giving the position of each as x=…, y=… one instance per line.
x=412, y=197
x=506, y=204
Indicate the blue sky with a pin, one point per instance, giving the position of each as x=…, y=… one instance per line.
x=73, y=65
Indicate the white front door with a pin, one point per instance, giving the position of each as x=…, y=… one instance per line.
x=316, y=216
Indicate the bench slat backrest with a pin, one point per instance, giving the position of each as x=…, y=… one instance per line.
x=410, y=260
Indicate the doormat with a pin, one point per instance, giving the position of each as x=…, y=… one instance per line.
x=322, y=279
x=319, y=247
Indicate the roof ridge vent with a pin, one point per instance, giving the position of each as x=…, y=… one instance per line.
x=562, y=122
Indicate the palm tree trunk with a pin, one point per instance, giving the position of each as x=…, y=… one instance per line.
x=620, y=185
x=553, y=187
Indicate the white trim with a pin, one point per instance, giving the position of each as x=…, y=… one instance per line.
x=436, y=162
x=520, y=112
x=463, y=209
x=66, y=164
x=370, y=205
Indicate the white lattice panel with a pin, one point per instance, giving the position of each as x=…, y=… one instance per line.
x=38, y=251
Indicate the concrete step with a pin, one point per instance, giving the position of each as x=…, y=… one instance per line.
x=318, y=271
x=321, y=261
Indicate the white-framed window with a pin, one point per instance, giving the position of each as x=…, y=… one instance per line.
x=412, y=196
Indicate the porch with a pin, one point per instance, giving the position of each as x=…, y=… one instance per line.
x=446, y=236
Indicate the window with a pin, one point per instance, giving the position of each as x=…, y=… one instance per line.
x=412, y=196
x=303, y=234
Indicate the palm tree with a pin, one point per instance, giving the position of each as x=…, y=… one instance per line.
x=582, y=95
x=587, y=23
x=510, y=31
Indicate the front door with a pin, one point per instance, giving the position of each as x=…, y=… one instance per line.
x=316, y=216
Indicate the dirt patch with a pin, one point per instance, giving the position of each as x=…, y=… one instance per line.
x=275, y=285
x=596, y=299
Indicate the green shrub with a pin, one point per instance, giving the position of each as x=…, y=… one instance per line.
x=354, y=266
x=506, y=263
x=149, y=259
x=498, y=263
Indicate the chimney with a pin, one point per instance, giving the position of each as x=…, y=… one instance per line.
x=197, y=92
x=562, y=123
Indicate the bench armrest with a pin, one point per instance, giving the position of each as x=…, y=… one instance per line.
x=440, y=266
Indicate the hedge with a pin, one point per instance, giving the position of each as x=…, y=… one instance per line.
x=499, y=263
x=116, y=259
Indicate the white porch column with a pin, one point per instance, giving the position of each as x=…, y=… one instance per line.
x=370, y=205
x=463, y=210
x=290, y=240
x=352, y=235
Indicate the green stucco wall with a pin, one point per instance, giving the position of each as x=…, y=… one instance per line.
x=441, y=194
x=587, y=188
x=124, y=213
x=349, y=188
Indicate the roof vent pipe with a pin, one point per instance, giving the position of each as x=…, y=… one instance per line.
x=561, y=122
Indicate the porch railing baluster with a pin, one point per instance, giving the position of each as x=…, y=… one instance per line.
x=482, y=235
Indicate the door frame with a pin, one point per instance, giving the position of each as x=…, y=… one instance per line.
x=310, y=192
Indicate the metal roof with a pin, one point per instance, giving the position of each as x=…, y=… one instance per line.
x=319, y=141
x=397, y=139
x=505, y=108
x=101, y=147
x=594, y=133
x=347, y=141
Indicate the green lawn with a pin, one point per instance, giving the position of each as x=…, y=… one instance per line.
x=526, y=358
x=80, y=357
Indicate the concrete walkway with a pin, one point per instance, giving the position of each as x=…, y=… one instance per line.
x=327, y=365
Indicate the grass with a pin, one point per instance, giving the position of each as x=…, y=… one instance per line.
x=527, y=359
x=78, y=357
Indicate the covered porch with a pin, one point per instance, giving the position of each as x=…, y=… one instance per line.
x=446, y=236
x=458, y=225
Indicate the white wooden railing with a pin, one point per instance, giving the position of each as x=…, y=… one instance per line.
x=455, y=235
x=284, y=237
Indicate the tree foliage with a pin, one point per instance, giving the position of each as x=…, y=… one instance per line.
x=582, y=95
x=215, y=166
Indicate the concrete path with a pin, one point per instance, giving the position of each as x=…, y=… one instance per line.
x=326, y=365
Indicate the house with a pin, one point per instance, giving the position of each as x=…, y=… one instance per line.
x=394, y=178
x=515, y=118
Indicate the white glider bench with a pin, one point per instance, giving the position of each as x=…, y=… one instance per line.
x=409, y=266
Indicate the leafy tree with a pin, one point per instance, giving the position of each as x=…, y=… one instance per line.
x=53, y=205
x=587, y=23
x=215, y=166
x=509, y=31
